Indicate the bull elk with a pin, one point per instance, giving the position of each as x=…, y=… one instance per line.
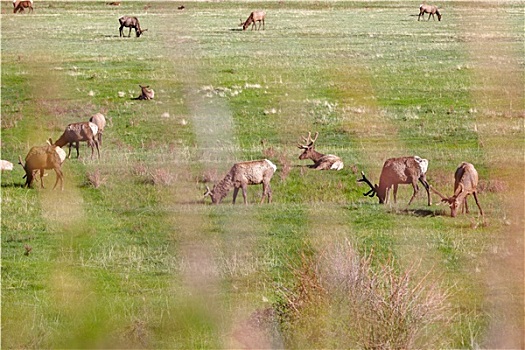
x=321, y=161
x=466, y=182
x=396, y=171
x=255, y=16
x=241, y=175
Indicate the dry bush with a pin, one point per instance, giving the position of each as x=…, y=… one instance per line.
x=162, y=177
x=95, y=179
x=494, y=186
x=209, y=175
x=371, y=307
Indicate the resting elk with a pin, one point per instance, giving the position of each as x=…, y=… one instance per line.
x=396, y=171
x=321, y=161
x=466, y=182
x=255, y=16
x=146, y=93
x=241, y=175
x=130, y=22
x=431, y=10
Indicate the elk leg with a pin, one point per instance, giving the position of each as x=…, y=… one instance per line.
x=425, y=184
x=416, y=190
x=477, y=202
x=60, y=177
x=77, y=145
x=395, y=193
x=235, y=191
x=244, y=194
x=129, y=33
x=42, y=178
x=465, y=206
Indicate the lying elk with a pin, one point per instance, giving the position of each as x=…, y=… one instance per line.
x=466, y=182
x=255, y=16
x=19, y=5
x=77, y=132
x=396, y=171
x=130, y=22
x=145, y=93
x=431, y=10
x=42, y=158
x=240, y=176
x=321, y=161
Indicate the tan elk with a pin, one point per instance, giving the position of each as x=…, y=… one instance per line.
x=79, y=132
x=466, y=182
x=131, y=23
x=321, y=161
x=396, y=171
x=255, y=16
x=40, y=158
x=20, y=5
x=100, y=121
x=431, y=10
x=241, y=175
x=146, y=93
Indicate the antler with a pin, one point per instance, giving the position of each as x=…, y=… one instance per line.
x=373, y=190
x=443, y=198
x=208, y=192
x=308, y=141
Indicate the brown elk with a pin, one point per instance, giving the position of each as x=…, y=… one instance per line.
x=396, y=171
x=100, y=121
x=255, y=16
x=20, y=5
x=321, y=161
x=466, y=182
x=77, y=132
x=146, y=93
x=241, y=175
x=130, y=22
x=431, y=10
x=40, y=158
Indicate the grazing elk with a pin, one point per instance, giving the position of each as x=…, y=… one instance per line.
x=145, y=93
x=20, y=5
x=240, y=176
x=41, y=158
x=77, y=132
x=396, y=171
x=130, y=22
x=466, y=182
x=431, y=10
x=321, y=161
x=100, y=121
x=255, y=16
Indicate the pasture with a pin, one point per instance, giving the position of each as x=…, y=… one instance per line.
x=130, y=255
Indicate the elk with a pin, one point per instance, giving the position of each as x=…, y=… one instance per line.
x=130, y=22
x=19, y=5
x=255, y=16
x=431, y=10
x=396, y=171
x=100, y=121
x=77, y=132
x=466, y=182
x=145, y=93
x=241, y=175
x=42, y=158
x=321, y=161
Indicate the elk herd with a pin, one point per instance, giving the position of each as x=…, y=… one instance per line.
x=409, y=170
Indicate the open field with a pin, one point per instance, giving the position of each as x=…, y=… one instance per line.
x=129, y=255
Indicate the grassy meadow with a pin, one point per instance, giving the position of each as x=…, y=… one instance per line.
x=130, y=255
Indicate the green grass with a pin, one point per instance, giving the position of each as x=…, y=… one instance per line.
x=143, y=261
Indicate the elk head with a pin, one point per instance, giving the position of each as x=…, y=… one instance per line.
x=139, y=32
x=215, y=197
x=373, y=188
x=308, y=147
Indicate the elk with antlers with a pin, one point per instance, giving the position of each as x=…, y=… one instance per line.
x=466, y=182
x=396, y=171
x=321, y=161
